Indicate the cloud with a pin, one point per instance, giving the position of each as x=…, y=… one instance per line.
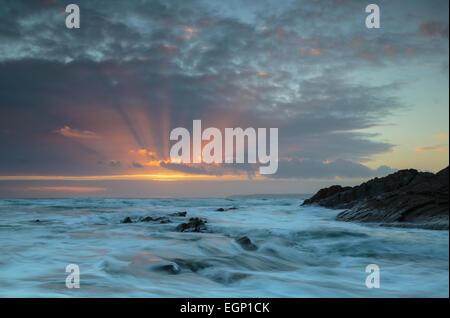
x=137, y=165
x=440, y=135
x=312, y=52
x=434, y=28
x=307, y=169
x=66, y=131
x=213, y=169
x=390, y=50
x=161, y=64
x=114, y=163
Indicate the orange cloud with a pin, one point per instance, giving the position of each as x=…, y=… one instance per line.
x=190, y=31
x=67, y=189
x=144, y=152
x=262, y=74
x=312, y=52
x=439, y=148
x=66, y=131
x=315, y=52
x=440, y=135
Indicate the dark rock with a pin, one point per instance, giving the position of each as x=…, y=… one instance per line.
x=194, y=225
x=164, y=220
x=161, y=219
x=179, y=214
x=147, y=219
x=37, y=221
x=228, y=209
x=170, y=268
x=325, y=193
x=407, y=198
x=346, y=197
x=246, y=243
x=127, y=220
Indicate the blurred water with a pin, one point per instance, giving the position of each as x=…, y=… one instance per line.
x=302, y=251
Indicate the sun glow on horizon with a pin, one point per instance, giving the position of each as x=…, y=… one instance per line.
x=150, y=177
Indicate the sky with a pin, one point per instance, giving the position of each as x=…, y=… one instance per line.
x=88, y=112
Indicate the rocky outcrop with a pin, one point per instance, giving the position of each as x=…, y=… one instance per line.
x=194, y=225
x=407, y=198
x=323, y=195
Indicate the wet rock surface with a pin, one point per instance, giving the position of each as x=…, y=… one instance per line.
x=179, y=214
x=246, y=243
x=226, y=209
x=161, y=219
x=158, y=219
x=170, y=268
x=407, y=198
x=127, y=220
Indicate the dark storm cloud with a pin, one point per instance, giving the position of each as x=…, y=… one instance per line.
x=293, y=67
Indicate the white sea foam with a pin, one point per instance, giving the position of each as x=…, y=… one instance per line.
x=302, y=251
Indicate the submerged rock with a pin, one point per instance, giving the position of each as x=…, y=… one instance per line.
x=227, y=209
x=246, y=243
x=161, y=219
x=127, y=220
x=228, y=278
x=164, y=220
x=179, y=214
x=194, y=225
x=407, y=198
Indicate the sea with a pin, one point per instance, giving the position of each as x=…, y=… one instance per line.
x=297, y=251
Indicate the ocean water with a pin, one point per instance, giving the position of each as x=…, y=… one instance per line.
x=302, y=251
